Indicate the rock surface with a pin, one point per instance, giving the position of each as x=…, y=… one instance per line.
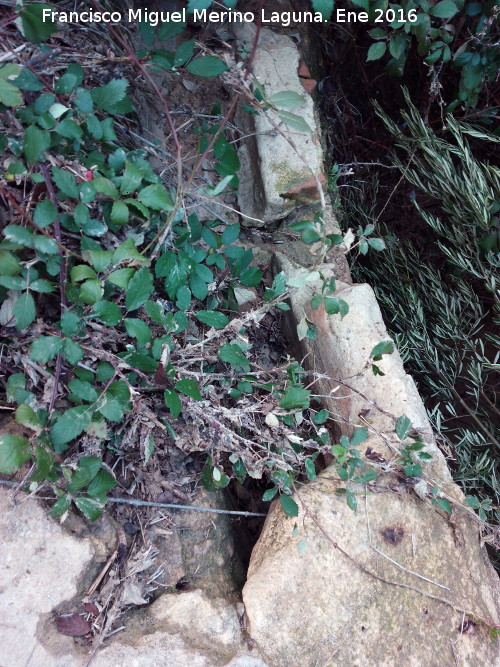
x=40, y=567
x=281, y=166
x=362, y=591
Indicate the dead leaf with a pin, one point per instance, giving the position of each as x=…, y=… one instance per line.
x=73, y=625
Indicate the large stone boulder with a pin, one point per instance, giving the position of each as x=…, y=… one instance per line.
x=281, y=166
x=398, y=581
x=41, y=566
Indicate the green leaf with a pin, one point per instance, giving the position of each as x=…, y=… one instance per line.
x=269, y=494
x=376, y=51
x=444, y=505
x=295, y=122
x=72, y=352
x=189, y=388
x=119, y=213
x=65, y=181
x=35, y=29
x=45, y=213
x=45, y=348
x=83, y=390
x=413, y=470
x=121, y=277
x=207, y=66
x=69, y=425
x=310, y=469
x=61, y=506
x=184, y=52
x=14, y=451
x=36, y=141
x=9, y=263
x=18, y=234
x=108, y=312
x=139, y=289
x=359, y=436
x=385, y=347
x=352, y=502
x=91, y=292
x=131, y=179
x=473, y=502
x=24, y=311
x=90, y=508
x=230, y=234
x=444, y=9
x=212, y=318
x=365, y=477
x=295, y=398
x=9, y=94
x=173, y=402
x=232, y=354
x=71, y=79
x=69, y=129
x=106, y=97
x=26, y=417
x=377, y=244
x=138, y=329
x=403, y=427
x=101, y=483
x=88, y=467
x=324, y=7
x=156, y=197
x=105, y=187
x=290, y=507
x=45, y=245
x=287, y=99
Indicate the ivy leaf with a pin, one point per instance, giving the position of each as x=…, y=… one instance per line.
x=24, y=311
x=290, y=507
x=295, y=398
x=189, y=388
x=69, y=426
x=376, y=51
x=36, y=141
x=139, y=289
x=212, y=318
x=14, y=451
x=207, y=66
x=233, y=355
x=156, y=197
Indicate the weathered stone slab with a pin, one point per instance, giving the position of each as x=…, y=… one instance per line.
x=281, y=166
x=40, y=566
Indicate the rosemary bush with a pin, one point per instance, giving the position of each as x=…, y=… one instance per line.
x=443, y=310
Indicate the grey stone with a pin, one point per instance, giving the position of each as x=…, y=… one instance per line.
x=281, y=166
x=40, y=567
